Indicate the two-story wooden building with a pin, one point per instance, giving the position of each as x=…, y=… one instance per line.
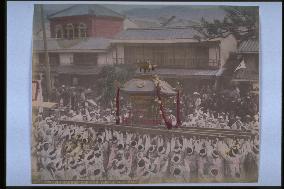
x=86, y=37
x=246, y=72
x=79, y=43
x=178, y=53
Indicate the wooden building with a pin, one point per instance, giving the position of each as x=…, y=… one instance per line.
x=85, y=20
x=178, y=53
x=246, y=72
x=86, y=37
x=79, y=43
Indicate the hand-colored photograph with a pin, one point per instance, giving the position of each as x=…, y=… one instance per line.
x=145, y=94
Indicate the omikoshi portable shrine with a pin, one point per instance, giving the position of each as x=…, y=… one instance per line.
x=149, y=97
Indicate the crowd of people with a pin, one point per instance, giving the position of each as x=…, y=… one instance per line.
x=228, y=101
x=226, y=110
x=204, y=108
x=70, y=96
x=222, y=121
x=204, y=105
x=72, y=152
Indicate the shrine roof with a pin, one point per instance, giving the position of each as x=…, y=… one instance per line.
x=146, y=86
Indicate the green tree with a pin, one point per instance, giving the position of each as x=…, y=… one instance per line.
x=241, y=22
x=111, y=74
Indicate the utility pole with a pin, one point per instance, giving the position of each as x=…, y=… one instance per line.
x=47, y=65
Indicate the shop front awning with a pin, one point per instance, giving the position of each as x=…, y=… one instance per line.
x=185, y=73
x=79, y=70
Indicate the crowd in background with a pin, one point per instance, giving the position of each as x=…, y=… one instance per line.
x=226, y=109
x=227, y=101
x=71, y=96
x=202, y=108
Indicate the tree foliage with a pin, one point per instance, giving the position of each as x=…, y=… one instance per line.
x=111, y=75
x=241, y=22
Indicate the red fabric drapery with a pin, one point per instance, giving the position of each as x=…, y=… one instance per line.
x=167, y=122
x=178, y=110
x=117, y=106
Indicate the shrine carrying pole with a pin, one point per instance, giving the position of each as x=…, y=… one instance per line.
x=117, y=118
x=160, y=130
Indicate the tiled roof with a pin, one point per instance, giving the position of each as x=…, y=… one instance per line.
x=72, y=45
x=142, y=23
x=86, y=9
x=249, y=46
x=180, y=23
x=156, y=34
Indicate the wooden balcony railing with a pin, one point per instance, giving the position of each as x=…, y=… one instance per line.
x=189, y=63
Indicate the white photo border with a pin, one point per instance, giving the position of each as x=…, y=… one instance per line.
x=19, y=53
